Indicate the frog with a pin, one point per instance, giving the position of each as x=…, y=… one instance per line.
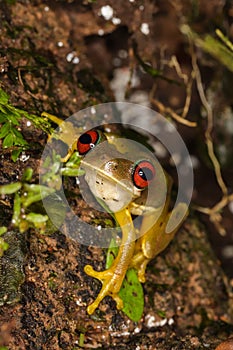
x=128, y=186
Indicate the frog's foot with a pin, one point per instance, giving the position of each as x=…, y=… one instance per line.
x=139, y=263
x=111, y=284
x=57, y=121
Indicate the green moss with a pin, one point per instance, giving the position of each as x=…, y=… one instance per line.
x=10, y=117
x=11, y=267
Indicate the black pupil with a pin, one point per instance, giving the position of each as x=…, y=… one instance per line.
x=146, y=174
x=85, y=139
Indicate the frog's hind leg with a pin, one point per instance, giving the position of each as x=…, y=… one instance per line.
x=156, y=239
x=113, y=277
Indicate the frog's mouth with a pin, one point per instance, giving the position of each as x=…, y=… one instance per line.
x=125, y=182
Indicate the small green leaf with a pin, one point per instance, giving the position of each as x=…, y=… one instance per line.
x=32, y=188
x=3, y=246
x=54, y=168
x=3, y=229
x=74, y=160
x=72, y=172
x=16, y=210
x=15, y=154
x=17, y=133
x=81, y=340
x=36, y=218
x=19, y=140
x=4, y=130
x=11, y=188
x=17, y=113
x=111, y=253
x=4, y=110
x=46, y=191
x=3, y=97
x=13, y=119
x=35, y=193
x=3, y=119
x=161, y=313
x=8, y=141
x=131, y=291
x=27, y=175
x=29, y=199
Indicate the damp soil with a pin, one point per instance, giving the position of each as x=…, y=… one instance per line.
x=63, y=56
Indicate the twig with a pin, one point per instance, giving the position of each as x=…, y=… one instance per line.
x=167, y=110
x=22, y=83
x=217, y=207
x=188, y=97
x=214, y=212
x=188, y=83
x=209, y=140
x=174, y=63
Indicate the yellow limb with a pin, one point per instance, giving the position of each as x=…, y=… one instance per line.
x=156, y=239
x=67, y=133
x=113, y=277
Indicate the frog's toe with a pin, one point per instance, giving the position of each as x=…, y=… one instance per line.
x=110, y=286
x=100, y=275
x=118, y=300
x=141, y=275
x=91, y=308
x=139, y=263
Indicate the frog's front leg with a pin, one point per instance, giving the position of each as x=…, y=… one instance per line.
x=113, y=277
x=156, y=239
x=68, y=134
x=52, y=117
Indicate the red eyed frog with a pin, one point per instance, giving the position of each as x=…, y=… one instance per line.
x=128, y=185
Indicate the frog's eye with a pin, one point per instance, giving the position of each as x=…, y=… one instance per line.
x=88, y=140
x=143, y=174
